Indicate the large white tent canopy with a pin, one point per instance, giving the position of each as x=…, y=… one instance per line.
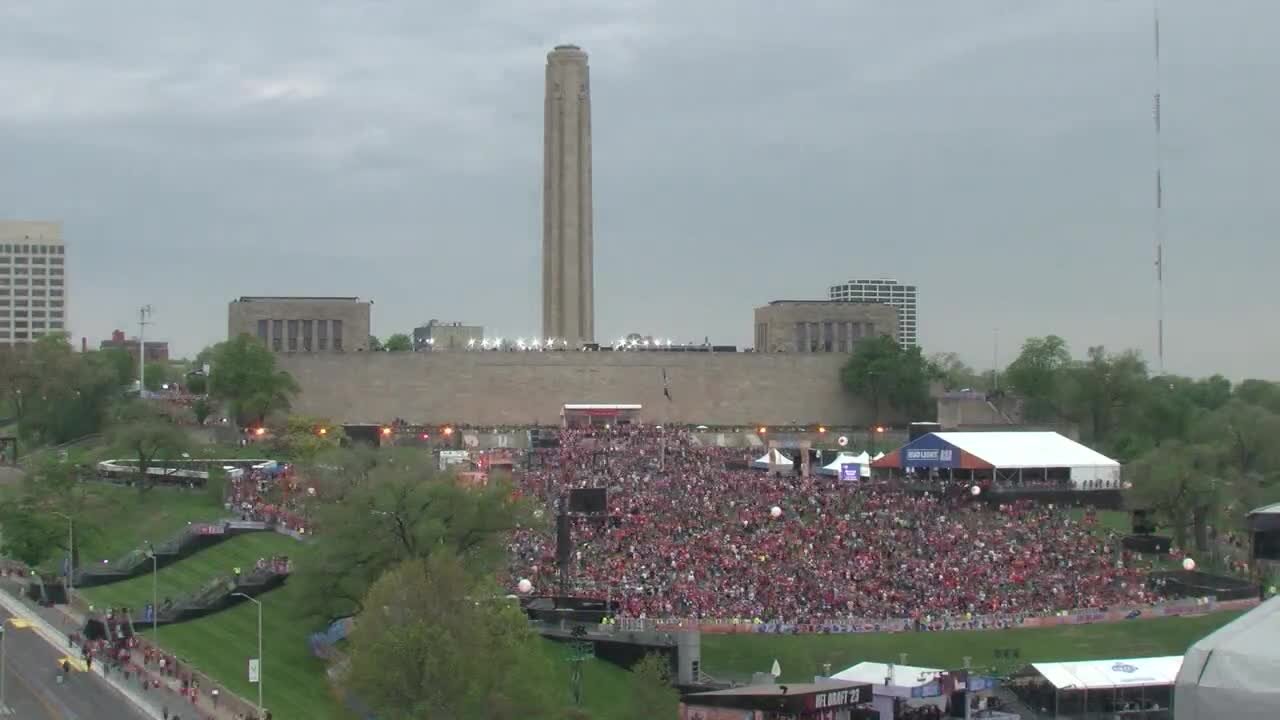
x=1010, y=450
x=1235, y=671
x=1007, y=453
x=1110, y=674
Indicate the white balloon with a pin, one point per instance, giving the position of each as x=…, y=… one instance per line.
x=975, y=491
x=1188, y=564
x=776, y=512
x=524, y=586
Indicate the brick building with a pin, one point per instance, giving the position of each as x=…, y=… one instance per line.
x=157, y=350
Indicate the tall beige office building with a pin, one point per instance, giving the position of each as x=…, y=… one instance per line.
x=33, y=290
x=568, y=299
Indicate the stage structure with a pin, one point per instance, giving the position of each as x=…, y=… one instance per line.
x=582, y=415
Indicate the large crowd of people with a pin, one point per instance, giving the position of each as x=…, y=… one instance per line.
x=692, y=532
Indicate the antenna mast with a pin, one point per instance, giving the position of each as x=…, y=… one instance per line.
x=1159, y=215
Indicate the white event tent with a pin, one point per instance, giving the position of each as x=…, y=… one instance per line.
x=1235, y=671
x=1007, y=457
x=1100, y=686
x=862, y=460
x=779, y=460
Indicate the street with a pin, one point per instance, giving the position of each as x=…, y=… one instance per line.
x=32, y=689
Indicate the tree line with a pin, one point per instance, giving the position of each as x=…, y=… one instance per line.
x=1200, y=452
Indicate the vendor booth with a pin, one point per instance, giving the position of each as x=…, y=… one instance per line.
x=581, y=415
x=779, y=461
x=1131, y=689
x=906, y=692
x=825, y=700
x=1235, y=671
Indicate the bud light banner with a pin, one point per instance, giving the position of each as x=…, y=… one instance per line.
x=849, y=472
x=931, y=451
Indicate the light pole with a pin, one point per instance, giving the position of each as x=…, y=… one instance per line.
x=143, y=313
x=4, y=696
x=71, y=552
x=259, y=604
x=155, y=592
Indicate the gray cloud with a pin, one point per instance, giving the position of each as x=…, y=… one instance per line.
x=997, y=153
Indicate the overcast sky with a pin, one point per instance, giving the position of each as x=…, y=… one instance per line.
x=998, y=153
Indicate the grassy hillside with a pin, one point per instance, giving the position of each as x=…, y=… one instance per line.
x=118, y=519
x=194, y=572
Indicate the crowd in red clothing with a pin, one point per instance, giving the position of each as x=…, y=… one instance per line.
x=271, y=496
x=691, y=535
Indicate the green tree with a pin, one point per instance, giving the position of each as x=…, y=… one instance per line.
x=245, y=376
x=956, y=374
x=398, y=343
x=27, y=533
x=438, y=641
x=216, y=485
x=56, y=394
x=148, y=437
x=1180, y=482
x=303, y=438
x=890, y=376
x=393, y=507
x=119, y=364
x=157, y=375
x=652, y=693
x=1097, y=392
x=1037, y=375
x=197, y=383
x=201, y=409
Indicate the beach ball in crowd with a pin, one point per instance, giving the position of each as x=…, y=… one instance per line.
x=1188, y=564
x=975, y=491
x=776, y=512
x=525, y=586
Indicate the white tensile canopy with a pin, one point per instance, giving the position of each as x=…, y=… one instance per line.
x=779, y=460
x=1234, y=671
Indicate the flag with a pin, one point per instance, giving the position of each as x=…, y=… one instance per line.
x=666, y=384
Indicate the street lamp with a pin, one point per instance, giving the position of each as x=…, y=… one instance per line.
x=155, y=595
x=4, y=696
x=71, y=551
x=259, y=604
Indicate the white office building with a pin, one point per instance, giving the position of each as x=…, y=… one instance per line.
x=33, y=284
x=886, y=292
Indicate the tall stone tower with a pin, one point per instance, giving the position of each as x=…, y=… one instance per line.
x=568, y=295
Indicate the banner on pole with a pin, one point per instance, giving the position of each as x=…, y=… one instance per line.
x=253, y=670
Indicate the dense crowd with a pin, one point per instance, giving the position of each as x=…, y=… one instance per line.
x=691, y=533
x=270, y=495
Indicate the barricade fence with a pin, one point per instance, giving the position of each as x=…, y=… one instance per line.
x=1177, y=608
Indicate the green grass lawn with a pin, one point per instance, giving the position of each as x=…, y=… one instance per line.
x=196, y=571
x=803, y=656
x=294, y=683
x=123, y=519
x=606, y=688
x=1117, y=520
x=221, y=644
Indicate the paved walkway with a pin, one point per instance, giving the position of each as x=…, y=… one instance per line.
x=57, y=623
